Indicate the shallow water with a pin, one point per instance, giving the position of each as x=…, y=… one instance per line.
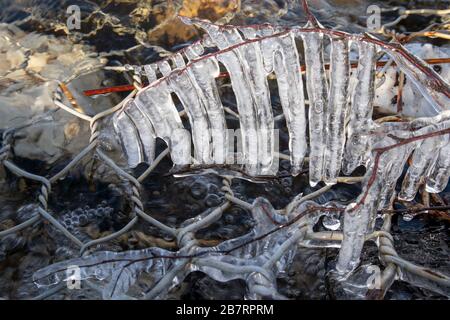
x=91, y=202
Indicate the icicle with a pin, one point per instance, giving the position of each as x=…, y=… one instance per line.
x=356, y=223
x=164, y=67
x=429, y=159
x=247, y=117
x=249, y=82
x=202, y=74
x=156, y=102
x=144, y=129
x=316, y=84
x=424, y=156
x=359, y=217
x=181, y=85
x=438, y=94
x=392, y=173
x=252, y=60
x=438, y=177
x=281, y=56
x=178, y=60
x=337, y=109
x=357, y=148
x=149, y=70
x=129, y=138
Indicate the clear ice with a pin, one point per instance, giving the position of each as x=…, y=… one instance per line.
x=357, y=146
x=336, y=110
x=317, y=87
x=342, y=136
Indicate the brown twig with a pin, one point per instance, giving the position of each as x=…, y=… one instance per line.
x=127, y=88
x=418, y=210
x=429, y=34
x=401, y=79
x=70, y=97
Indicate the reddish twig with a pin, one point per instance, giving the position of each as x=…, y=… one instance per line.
x=121, y=88
x=127, y=88
x=311, y=18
